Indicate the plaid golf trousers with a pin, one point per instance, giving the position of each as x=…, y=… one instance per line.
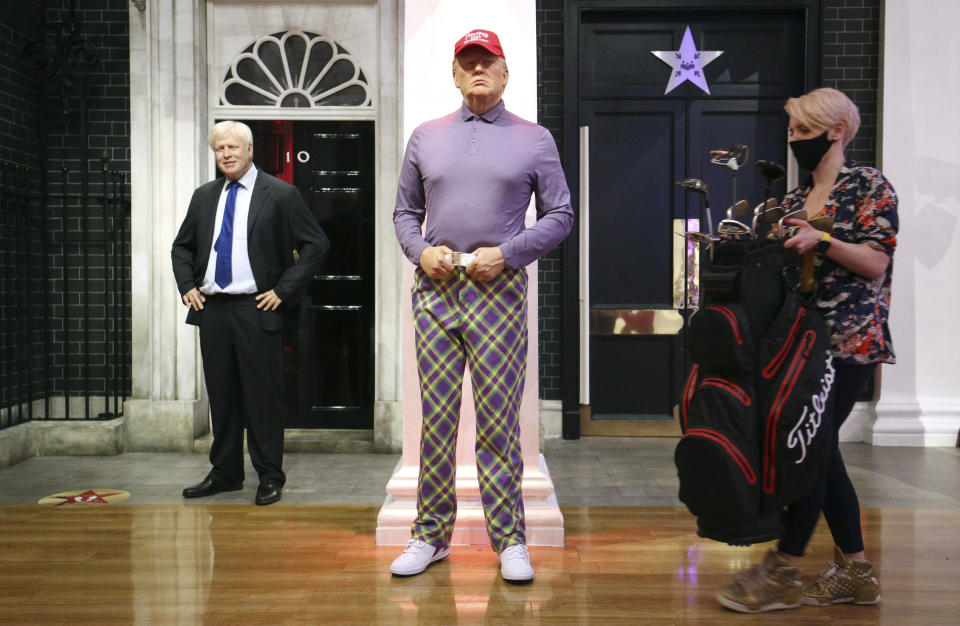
x=462, y=321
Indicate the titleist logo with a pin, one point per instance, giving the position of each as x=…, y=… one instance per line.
x=809, y=423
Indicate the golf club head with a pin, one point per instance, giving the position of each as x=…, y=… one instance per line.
x=693, y=184
x=733, y=157
x=758, y=210
x=822, y=223
x=770, y=170
x=799, y=214
x=740, y=208
x=773, y=215
x=704, y=238
x=733, y=228
x=698, y=186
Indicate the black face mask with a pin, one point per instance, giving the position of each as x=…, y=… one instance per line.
x=810, y=151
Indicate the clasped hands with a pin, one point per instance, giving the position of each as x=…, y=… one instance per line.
x=485, y=266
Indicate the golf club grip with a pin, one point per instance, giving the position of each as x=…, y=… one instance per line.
x=807, y=280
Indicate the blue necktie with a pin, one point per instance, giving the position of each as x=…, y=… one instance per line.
x=224, y=245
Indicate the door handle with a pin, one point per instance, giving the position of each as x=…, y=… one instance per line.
x=584, y=235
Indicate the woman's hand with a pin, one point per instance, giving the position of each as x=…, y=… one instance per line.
x=861, y=259
x=805, y=237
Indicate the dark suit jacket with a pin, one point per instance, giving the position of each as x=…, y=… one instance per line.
x=278, y=222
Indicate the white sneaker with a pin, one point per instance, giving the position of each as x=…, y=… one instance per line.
x=515, y=564
x=416, y=557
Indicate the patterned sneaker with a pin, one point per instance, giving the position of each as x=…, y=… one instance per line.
x=845, y=581
x=769, y=586
x=416, y=557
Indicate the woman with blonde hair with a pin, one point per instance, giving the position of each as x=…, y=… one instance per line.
x=854, y=265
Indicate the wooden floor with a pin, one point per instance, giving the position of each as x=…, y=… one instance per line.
x=240, y=564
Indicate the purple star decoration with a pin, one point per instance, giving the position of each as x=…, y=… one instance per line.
x=687, y=63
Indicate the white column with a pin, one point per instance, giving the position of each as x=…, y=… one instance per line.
x=430, y=31
x=920, y=395
x=168, y=409
x=390, y=262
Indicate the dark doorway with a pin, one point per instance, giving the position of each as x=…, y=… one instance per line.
x=329, y=347
x=641, y=140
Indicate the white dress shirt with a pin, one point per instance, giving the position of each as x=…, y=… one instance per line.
x=243, y=281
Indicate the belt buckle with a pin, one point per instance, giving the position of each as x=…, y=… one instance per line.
x=460, y=259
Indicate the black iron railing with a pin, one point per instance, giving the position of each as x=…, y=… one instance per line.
x=64, y=243
x=19, y=201
x=64, y=294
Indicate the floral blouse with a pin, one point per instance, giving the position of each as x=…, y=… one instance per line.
x=863, y=206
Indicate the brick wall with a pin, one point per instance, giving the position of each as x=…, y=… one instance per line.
x=19, y=120
x=851, y=53
x=44, y=116
x=20, y=233
x=81, y=310
x=550, y=115
x=851, y=63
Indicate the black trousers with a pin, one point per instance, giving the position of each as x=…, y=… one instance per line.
x=243, y=365
x=834, y=494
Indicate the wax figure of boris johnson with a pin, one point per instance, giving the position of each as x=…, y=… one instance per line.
x=470, y=175
x=234, y=264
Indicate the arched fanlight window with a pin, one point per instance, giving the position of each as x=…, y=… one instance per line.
x=295, y=69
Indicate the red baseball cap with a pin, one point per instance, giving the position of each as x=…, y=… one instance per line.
x=486, y=39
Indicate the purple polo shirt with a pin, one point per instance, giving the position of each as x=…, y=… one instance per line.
x=471, y=177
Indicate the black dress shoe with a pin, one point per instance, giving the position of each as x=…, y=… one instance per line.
x=209, y=486
x=268, y=492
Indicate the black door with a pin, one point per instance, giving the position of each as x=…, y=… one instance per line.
x=640, y=142
x=634, y=146
x=329, y=351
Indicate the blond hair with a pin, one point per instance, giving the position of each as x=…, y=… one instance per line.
x=222, y=130
x=823, y=108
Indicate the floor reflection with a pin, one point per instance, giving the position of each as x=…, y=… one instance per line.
x=186, y=564
x=477, y=595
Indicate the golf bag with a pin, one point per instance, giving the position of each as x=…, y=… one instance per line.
x=756, y=404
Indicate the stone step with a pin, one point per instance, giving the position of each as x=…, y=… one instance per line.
x=325, y=440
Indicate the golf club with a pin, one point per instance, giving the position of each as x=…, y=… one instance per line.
x=771, y=171
x=734, y=229
x=733, y=158
x=808, y=281
x=799, y=214
x=759, y=210
x=740, y=208
x=772, y=215
x=822, y=223
x=698, y=186
x=705, y=239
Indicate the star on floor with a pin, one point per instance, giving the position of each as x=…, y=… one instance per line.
x=687, y=63
x=89, y=496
